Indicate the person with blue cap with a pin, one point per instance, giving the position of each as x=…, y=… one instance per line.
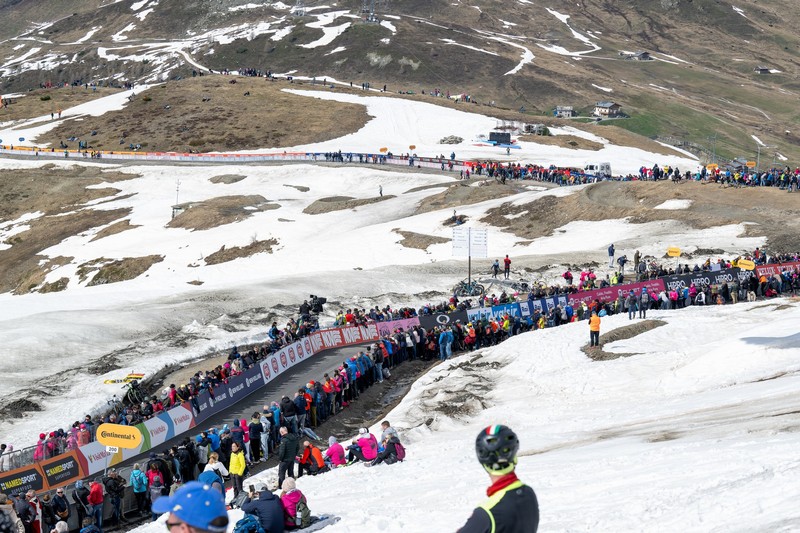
x=195, y=507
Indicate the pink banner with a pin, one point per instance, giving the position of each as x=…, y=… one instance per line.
x=609, y=294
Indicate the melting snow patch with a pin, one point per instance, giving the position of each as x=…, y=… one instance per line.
x=329, y=33
x=506, y=23
x=136, y=6
x=336, y=50
x=674, y=205
x=774, y=71
x=143, y=15
x=386, y=40
x=388, y=25
x=606, y=89
x=451, y=41
x=739, y=10
x=756, y=139
x=248, y=6
x=119, y=36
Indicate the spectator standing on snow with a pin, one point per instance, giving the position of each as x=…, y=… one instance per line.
x=611, y=256
x=506, y=266
x=594, y=329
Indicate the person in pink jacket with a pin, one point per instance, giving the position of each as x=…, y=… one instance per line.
x=84, y=436
x=38, y=453
x=365, y=448
x=290, y=497
x=334, y=455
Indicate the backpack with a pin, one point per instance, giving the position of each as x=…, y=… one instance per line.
x=303, y=517
x=248, y=524
x=401, y=451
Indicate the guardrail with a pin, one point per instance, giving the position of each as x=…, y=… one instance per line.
x=370, y=158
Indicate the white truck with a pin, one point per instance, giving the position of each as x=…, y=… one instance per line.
x=597, y=170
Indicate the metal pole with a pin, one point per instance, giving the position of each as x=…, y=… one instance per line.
x=469, y=257
x=758, y=157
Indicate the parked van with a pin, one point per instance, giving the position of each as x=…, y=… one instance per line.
x=597, y=170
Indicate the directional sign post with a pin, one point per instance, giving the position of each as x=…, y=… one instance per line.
x=469, y=242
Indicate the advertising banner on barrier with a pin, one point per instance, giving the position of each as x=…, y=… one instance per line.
x=157, y=429
x=496, y=312
x=21, y=480
x=609, y=294
x=442, y=319
x=228, y=394
x=96, y=458
x=334, y=338
x=771, y=270
x=62, y=470
x=387, y=328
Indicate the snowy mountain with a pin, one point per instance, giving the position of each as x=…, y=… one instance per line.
x=536, y=55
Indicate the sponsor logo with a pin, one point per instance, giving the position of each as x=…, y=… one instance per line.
x=181, y=419
x=158, y=430
x=59, y=468
x=250, y=381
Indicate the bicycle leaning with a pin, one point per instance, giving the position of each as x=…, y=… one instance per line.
x=468, y=288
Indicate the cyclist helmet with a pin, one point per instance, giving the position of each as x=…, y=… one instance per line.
x=497, y=448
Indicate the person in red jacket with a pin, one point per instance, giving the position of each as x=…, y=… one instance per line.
x=311, y=461
x=507, y=266
x=95, y=499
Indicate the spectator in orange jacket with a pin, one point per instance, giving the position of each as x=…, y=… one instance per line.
x=311, y=461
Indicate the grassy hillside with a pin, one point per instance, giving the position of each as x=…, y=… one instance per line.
x=700, y=85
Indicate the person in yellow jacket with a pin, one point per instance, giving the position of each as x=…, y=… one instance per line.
x=237, y=467
x=594, y=329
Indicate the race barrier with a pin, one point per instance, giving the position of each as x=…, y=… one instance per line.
x=235, y=158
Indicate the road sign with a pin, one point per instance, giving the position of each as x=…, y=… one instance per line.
x=470, y=242
x=745, y=264
x=112, y=449
x=673, y=251
x=750, y=164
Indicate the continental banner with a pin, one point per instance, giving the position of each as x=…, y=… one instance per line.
x=62, y=470
x=22, y=480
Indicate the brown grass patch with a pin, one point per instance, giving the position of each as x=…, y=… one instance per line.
x=219, y=211
x=113, y=229
x=227, y=178
x=563, y=141
x=33, y=279
x=419, y=241
x=108, y=271
x=223, y=255
x=175, y=117
x=460, y=193
x=596, y=353
x=339, y=203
